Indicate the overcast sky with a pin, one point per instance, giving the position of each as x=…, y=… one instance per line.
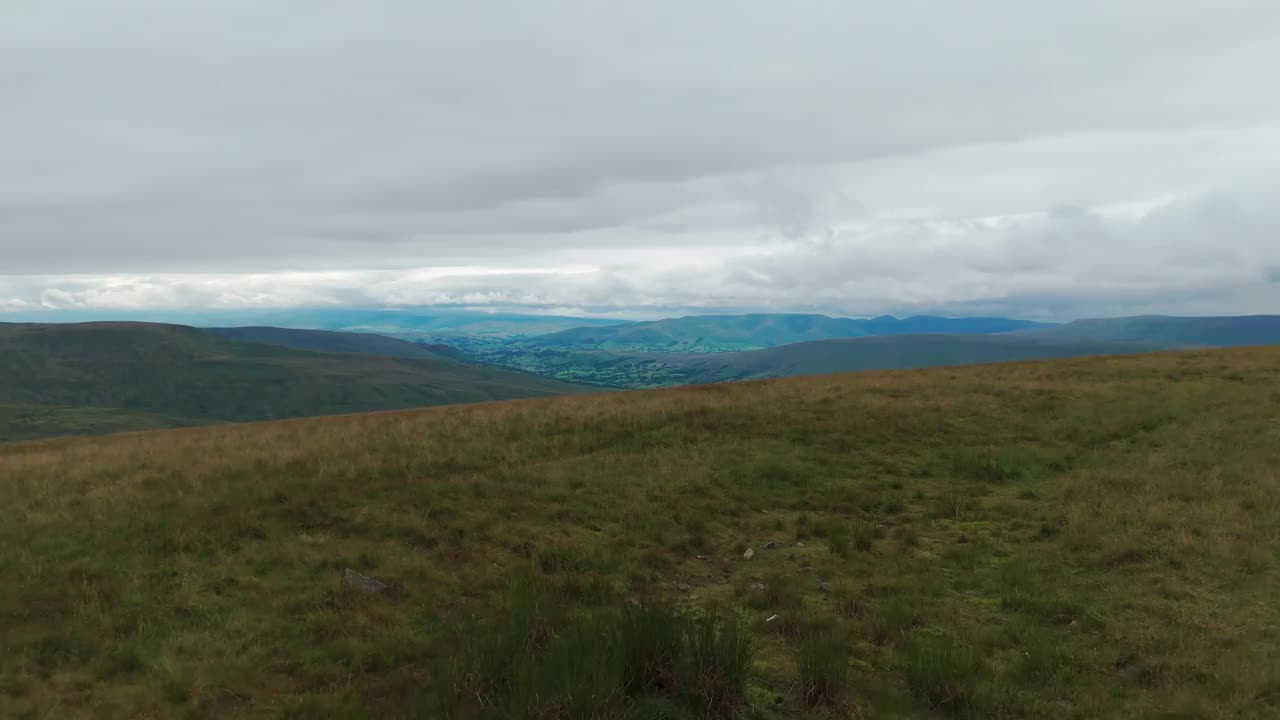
x=1036, y=159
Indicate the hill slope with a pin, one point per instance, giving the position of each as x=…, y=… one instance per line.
x=181, y=372
x=897, y=352
x=330, y=341
x=1174, y=331
x=719, y=333
x=1089, y=538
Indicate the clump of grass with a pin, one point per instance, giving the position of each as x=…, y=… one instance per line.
x=952, y=505
x=822, y=666
x=780, y=591
x=865, y=534
x=892, y=618
x=984, y=466
x=942, y=672
x=849, y=601
x=836, y=533
x=595, y=664
x=713, y=672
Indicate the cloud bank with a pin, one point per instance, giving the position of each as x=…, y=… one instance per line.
x=1045, y=161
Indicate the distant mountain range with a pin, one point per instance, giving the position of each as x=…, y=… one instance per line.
x=64, y=379
x=684, y=350
x=412, y=323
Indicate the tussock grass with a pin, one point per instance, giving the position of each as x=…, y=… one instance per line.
x=598, y=664
x=1111, y=548
x=822, y=667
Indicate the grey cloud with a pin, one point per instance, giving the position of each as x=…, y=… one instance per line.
x=150, y=140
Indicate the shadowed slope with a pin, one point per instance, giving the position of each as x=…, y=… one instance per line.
x=181, y=372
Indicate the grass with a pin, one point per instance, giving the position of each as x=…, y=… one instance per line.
x=584, y=555
x=822, y=669
x=536, y=663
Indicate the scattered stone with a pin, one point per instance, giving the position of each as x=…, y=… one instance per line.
x=748, y=554
x=356, y=581
x=684, y=587
x=771, y=545
x=791, y=556
x=771, y=618
x=823, y=586
x=702, y=557
x=758, y=587
x=799, y=543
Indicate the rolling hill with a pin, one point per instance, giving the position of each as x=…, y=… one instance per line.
x=1074, y=539
x=1173, y=331
x=178, y=375
x=330, y=341
x=416, y=323
x=721, y=333
x=894, y=352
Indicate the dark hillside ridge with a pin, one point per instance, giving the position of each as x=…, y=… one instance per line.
x=333, y=341
x=190, y=376
x=1228, y=331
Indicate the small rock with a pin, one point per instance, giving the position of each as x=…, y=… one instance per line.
x=799, y=543
x=684, y=587
x=823, y=586
x=758, y=587
x=771, y=618
x=353, y=579
x=791, y=556
x=702, y=557
x=771, y=545
x=748, y=554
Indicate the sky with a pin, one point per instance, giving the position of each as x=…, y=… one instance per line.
x=992, y=157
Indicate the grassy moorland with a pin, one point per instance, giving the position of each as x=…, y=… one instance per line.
x=1077, y=538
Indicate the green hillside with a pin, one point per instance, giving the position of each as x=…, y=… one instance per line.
x=1072, y=539
x=648, y=370
x=893, y=353
x=721, y=333
x=33, y=422
x=330, y=341
x=180, y=372
x=1174, y=331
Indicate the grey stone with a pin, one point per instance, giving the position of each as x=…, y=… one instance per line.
x=364, y=583
x=748, y=554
